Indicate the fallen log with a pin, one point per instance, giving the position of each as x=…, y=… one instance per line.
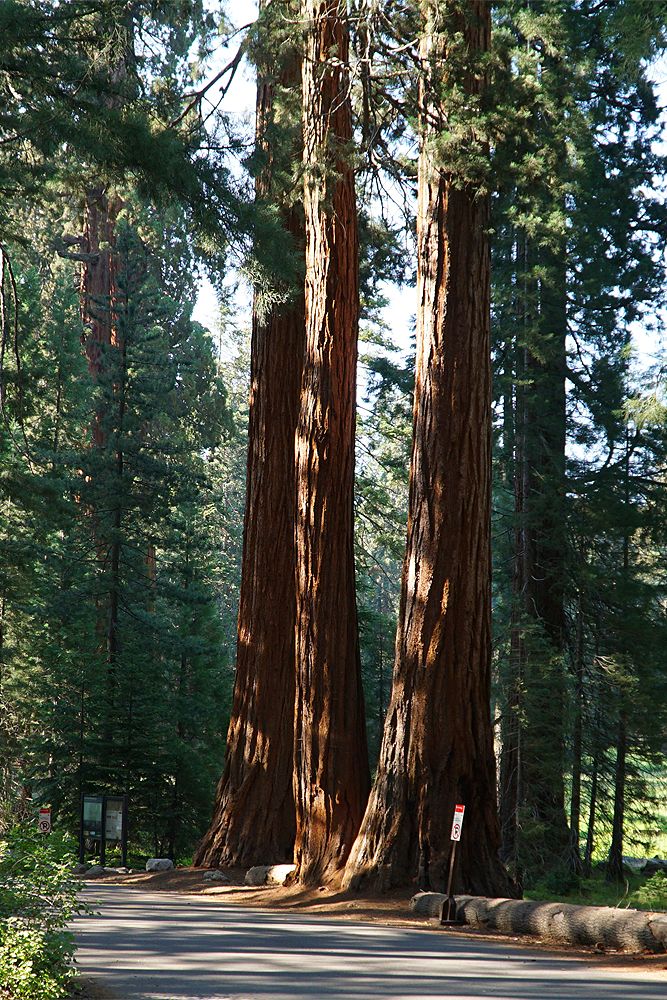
x=602, y=926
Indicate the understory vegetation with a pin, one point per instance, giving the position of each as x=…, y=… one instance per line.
x=38, y=898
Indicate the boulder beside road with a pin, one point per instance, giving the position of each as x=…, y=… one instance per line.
x=159, y=865
x=215, y=875
x=268, y=874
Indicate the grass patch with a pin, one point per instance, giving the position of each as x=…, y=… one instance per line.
x=638, y=892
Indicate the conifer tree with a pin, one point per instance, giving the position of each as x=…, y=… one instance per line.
x=437, y=746
x=330, y=763
x=568, y=192
x=163, y=409
x=253, y=821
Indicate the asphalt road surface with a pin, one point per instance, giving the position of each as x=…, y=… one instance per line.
x=159, y=946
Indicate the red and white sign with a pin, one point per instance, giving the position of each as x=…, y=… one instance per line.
x=45, y=820
x=458, y=822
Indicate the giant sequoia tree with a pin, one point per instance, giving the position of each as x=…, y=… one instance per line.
x=253, y=819
x=330, y=768
x=437, y=748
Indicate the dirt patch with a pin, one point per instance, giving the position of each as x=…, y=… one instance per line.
x=389, y=907
x=88, y=989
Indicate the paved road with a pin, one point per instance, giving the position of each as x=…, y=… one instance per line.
x=158, y=946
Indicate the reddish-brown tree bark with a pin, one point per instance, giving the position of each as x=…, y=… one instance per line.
x=331, y=771
x=99, y=313
x=253, y=820
x=437, y=746
x=98, y=283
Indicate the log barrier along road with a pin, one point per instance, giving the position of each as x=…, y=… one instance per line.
x=162, y=946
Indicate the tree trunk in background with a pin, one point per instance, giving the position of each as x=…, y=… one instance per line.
x=590, y=833
x=101, y=336
x=437, y=747
x=98, y=288
x=331, y=777
x=253, y=821
x=577, y=743
x=615, y=859
x=540, y=558
x=510, y=756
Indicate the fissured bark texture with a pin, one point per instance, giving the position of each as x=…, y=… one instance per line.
x=437, y=747
x=331, y=772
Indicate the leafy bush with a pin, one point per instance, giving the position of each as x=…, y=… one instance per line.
x=38, y=896
x=652, y=895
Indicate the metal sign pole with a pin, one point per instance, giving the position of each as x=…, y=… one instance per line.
x=123, y=842
x=82, y=840
x=103, y=840
x=448, y=913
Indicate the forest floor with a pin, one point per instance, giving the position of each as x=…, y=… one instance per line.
x=392, y=908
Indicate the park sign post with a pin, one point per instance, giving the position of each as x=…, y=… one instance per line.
x=44, y=822
x=457, y=823
x=448, y=915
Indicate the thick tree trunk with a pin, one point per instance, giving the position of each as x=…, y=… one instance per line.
x=253, y=821
x=437, y=748
x=331, y=771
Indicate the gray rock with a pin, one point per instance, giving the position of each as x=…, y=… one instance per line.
x=95, y=870
x=268, y=874
x=159, y=865
x=215, y=876
x=81, y=868
x=257, y=875
x=277, y=874
x=123, y=871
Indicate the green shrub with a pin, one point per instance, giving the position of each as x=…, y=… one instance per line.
x=38, y=896
x=652, y=895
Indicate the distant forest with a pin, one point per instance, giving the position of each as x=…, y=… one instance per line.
x=300, y=596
